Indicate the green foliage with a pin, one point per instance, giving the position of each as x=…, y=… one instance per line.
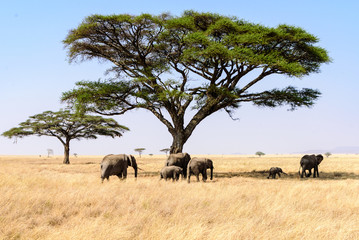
x=139, y=150
x=165, y=150
x=259, y=153
x=203, y=60
x=66, y=126
x=327, y=154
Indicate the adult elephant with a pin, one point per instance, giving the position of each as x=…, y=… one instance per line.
x=180, y=160
x=308, y=162
x=117, y=164
x=198, y=166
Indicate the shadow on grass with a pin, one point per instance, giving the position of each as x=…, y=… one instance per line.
x=264, y=175
x=291, y=175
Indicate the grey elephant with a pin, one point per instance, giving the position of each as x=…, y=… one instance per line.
x=180, y=160
x=171, y=172
x=198, y=166
x=308, y=162
x=117, y=164
x=273, y=171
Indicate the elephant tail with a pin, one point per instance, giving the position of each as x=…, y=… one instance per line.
x=188, y=171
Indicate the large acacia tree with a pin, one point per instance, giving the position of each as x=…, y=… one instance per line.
x=198, y=61
x=66, y=126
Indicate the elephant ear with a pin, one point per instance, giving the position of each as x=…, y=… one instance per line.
x=319, y=158
x=129, y=162
x=132, y=161
x=209, y=163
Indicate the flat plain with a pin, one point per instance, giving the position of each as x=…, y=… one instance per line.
x=40, y=198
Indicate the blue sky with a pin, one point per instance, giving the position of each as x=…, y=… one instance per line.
x=34, y=71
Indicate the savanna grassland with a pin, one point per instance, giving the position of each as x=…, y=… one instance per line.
x=40, y=198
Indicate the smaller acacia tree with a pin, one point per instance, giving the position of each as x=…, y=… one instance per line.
x=165, y=150
x=66, y=126
x=139, y=150
x=260, y=154
x=327, y=154
x=49, y=152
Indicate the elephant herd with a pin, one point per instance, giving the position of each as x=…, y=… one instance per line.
x=182, y=164
x=176, y=165
x=307, y=163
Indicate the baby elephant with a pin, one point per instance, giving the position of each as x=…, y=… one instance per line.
x=275, y=170
x=171, y=172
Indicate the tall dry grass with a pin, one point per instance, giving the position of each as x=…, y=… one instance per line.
x=44, y=199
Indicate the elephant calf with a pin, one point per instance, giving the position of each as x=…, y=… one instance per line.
x=198, y=166
x=171, y=172
x=275, y=170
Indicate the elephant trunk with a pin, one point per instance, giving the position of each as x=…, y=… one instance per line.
x=211, y=173
x=135, y=168
x=131, y=161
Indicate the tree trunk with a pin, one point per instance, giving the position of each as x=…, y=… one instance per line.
x=178, y=141
x=67, y=153
x=181, y=134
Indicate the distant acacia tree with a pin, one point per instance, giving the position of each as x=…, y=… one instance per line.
x=50, y=152
x=165, y=150
x=66, y=126
x=139, y=150
x=327, y=154
x=203, y=62
x=259, y=153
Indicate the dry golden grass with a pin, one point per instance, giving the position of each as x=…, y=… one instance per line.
x=43, y=199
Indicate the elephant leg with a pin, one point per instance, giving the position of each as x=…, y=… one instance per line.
x=310, y=173
x=119, y=175
x=269, y=175
x=197, y=175
x=204, y=175
x=303, y=171
x=315, y=172
x=189, y=176
x=278, y=175
x=124, y=172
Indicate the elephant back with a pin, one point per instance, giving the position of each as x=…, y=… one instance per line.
x=308, y=158
x=114, y=159
x=311, y=160
x=178, y=159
